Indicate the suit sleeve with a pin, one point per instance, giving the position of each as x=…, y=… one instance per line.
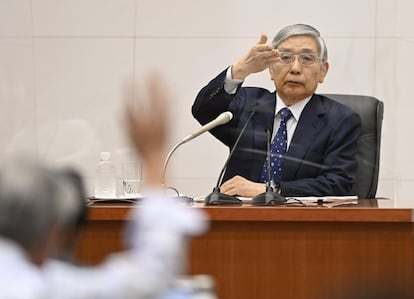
x=211, y=101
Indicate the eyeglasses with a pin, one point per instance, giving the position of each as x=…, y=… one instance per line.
x=306, y=59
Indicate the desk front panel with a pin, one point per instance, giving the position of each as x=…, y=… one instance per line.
x=306, y=256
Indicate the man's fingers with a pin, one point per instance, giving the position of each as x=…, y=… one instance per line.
x=230, y=187
x=261, y=45
x=226, y=186
x=228, y=191
x=263, y=39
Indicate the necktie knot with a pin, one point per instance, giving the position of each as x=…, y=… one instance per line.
x=285, y=114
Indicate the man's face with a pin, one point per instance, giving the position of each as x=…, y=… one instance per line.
x=295, y=81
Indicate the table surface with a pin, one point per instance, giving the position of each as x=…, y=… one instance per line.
x=366, y=210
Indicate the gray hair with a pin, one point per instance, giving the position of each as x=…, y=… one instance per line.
x=302, y=29
x=33, y=200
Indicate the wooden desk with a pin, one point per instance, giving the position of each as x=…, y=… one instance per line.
x=282, y=252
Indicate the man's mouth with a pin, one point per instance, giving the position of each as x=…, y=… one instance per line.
x=293, y=82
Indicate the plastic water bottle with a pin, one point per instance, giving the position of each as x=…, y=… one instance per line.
x=105, y=177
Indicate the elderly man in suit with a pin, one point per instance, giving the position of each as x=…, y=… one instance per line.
x=313, y=152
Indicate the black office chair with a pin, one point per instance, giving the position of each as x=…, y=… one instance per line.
x=371, y=111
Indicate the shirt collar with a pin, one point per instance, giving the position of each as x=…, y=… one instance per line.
x=296, y=108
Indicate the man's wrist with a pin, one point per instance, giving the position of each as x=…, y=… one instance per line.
x=230, y=84
x=237, y=73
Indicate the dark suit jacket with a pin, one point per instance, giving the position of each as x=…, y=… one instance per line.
x=321, y=159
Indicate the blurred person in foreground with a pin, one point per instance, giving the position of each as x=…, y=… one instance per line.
x=41, y=206
x=314, y=138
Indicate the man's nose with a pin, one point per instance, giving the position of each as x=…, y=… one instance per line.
x=296, y=66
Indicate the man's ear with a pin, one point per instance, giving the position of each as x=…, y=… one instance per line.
x=324, y=71
x=271, y=71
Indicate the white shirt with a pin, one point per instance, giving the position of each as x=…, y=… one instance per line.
x=292, y=122
x=19, y=278
x=157, y=232
x=159, y=241
x=230, y=86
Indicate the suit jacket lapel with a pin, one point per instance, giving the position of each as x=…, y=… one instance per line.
x=263, y=120
x=309, y=125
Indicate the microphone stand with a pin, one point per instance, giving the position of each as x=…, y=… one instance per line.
x=216, y=197
x=167, y=159
x=223, y=118
x=182, y=198
x=269, y=197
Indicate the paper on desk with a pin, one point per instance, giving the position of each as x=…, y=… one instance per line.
x=328, y=201
x=331, y=202
x=324, y=198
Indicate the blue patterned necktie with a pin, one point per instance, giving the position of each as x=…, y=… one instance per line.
x=278, y=149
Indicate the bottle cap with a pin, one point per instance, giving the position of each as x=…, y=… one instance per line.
x=105, y=156
x=203, y=282
x=194, y=283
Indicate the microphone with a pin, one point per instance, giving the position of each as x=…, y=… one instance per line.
x=222, y=119
x=216, y=197
x=268, y=198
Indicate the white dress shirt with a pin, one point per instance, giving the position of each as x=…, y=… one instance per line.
x=157, y=232
x=158, y=240
x=230, y=86
x=19, y=278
